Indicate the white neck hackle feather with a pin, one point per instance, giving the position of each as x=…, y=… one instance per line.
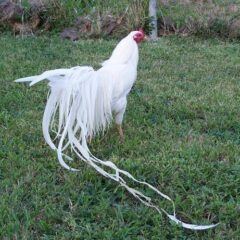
x=79, y=106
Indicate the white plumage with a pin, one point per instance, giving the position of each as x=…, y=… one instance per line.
x=82, y=103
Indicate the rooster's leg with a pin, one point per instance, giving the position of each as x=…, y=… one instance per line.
x=89, y=139
x=119, y=109
x=120, y=131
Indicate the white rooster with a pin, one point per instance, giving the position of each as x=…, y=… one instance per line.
x=82, y=103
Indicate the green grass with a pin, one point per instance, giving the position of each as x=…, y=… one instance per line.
x=182, y=134
x=204, y=18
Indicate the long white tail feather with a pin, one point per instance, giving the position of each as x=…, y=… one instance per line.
x=79, y=107
x=52, y=74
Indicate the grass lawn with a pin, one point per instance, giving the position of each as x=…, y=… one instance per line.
x=182, y=135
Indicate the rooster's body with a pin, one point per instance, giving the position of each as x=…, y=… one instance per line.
x=107, y=89
x=83, y=102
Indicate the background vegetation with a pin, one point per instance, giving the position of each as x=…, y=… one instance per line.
x=182, y=17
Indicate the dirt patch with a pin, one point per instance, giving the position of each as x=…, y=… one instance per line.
x=234, y=28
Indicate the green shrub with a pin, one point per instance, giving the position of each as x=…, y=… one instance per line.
x=207, y=18
x=58, y=14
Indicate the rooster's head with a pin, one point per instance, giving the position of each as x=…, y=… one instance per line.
x=139, y=36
